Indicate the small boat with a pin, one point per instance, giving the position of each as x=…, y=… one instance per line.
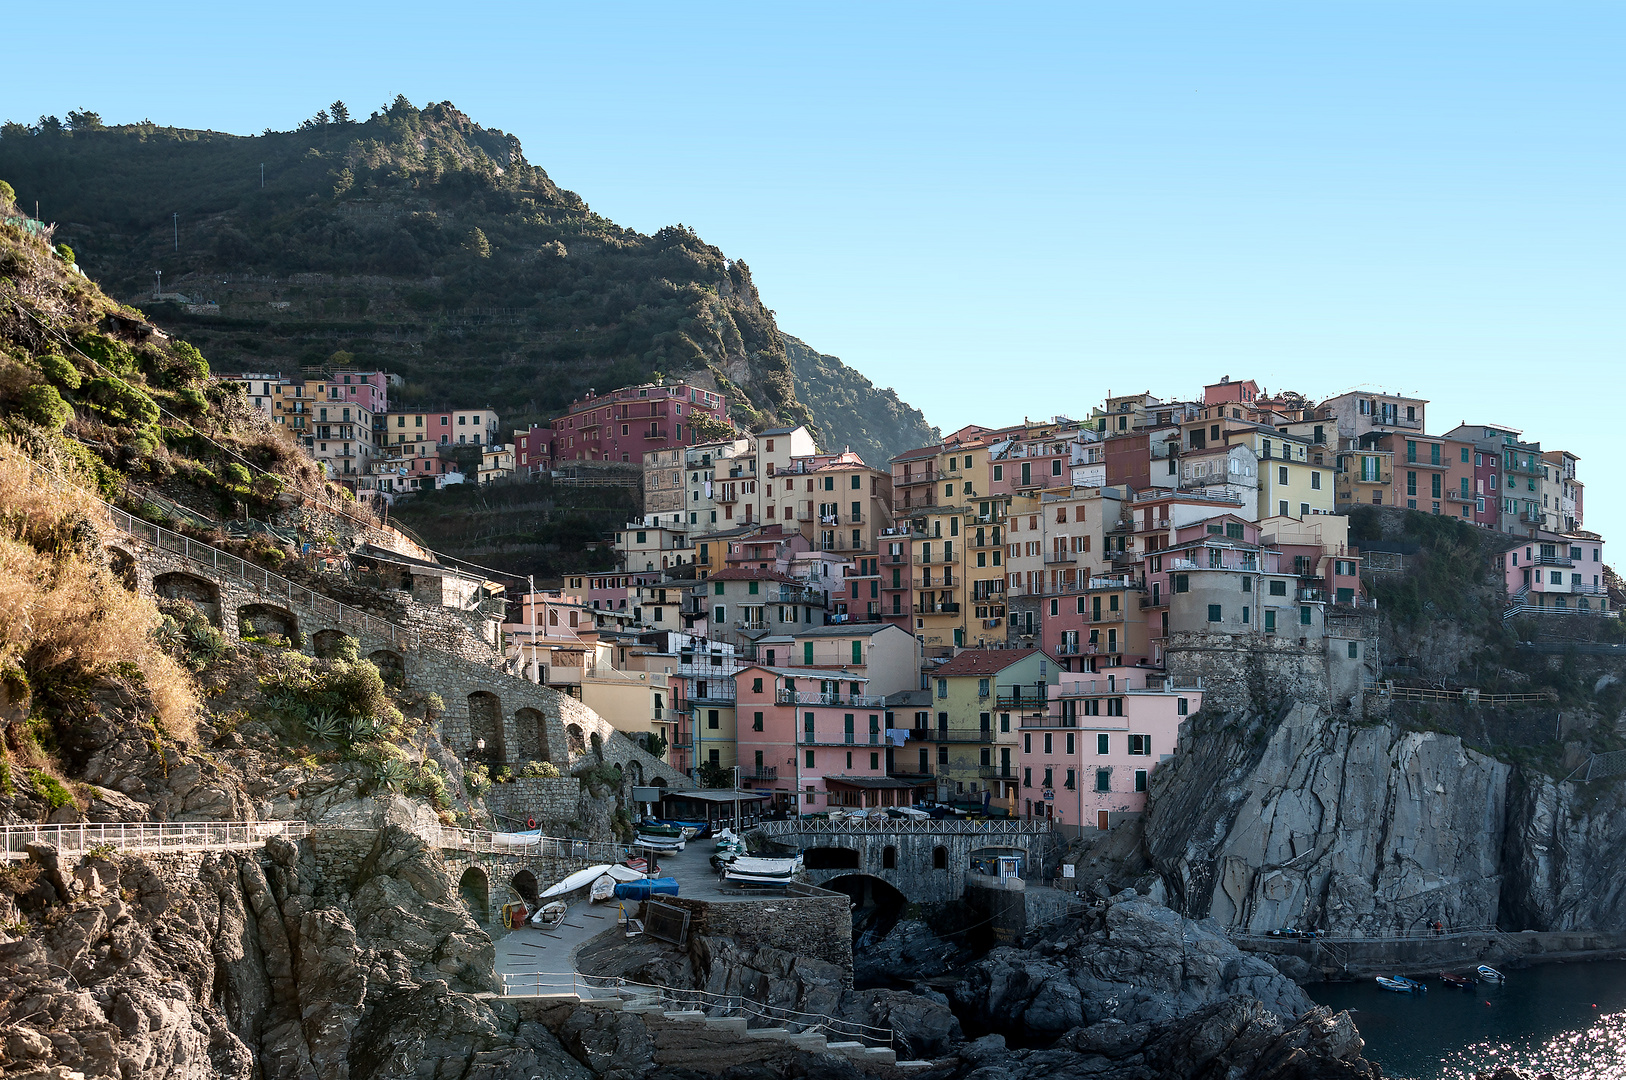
x=575, y=881
x=658, y=842
x=549, y=915
x=602, y=890
x=1490, y=974
x=645, y=888
x=1460, y=982
x=1400, y=984
x=689, y=829
x=659, y=828
x=746, y=870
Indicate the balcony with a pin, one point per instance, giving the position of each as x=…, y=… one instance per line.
x=1023, y=696
x=1073, y=648
x=1060, y=557
x=1318, y=596
x=761, y=772
x=982, y=540
x=1106, y=616
x=1459, y=497
x=1441, y=465
x=726, y=493
x=937, y=609
x=936, y=558
x=955, y=735
x=833, y=701
x=945, y=582
x=1554, y=560
x=1397, y=421
x=1121, y=525
x=1529, y=469
x=1046, y=720
x=1533, y=517
x=998, y=772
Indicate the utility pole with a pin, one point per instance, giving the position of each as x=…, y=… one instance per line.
x=177, y=220
x=262, y=174
x=158, y=289
x=530, y=600
x=736, y=800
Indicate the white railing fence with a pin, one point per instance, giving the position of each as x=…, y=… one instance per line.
x=526, y=845
x=589, y=987
x=884, y=824
x=159, y=836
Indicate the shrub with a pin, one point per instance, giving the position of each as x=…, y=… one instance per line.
x=106, y=352
x=8, y=194
x=120, y=401
x=50, y=789
x=236, y=475
x=544, y=769
x=190, y=366
x=65, y=253
x=60, y=371
x=45, y=407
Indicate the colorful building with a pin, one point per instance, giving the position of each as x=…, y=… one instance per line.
x=625, y=424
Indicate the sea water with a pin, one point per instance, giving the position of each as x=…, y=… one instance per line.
x=1568, y=1019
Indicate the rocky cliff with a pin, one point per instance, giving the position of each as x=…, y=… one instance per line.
x=1364, y=827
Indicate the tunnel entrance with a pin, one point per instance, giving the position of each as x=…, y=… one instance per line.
x=877, y=906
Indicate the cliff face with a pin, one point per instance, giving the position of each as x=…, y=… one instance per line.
x=1362, y=827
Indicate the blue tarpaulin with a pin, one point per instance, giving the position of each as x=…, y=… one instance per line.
x=644, y=889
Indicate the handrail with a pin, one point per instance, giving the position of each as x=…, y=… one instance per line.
x=1010, y=826
x=485, y=842
x=263, y=580
x=145, y=836
x=589, y=987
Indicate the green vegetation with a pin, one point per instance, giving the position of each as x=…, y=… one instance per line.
x=1445, y=579
x=852, y=412
x=438, y=251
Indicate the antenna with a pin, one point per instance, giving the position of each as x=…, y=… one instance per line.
x=262, y=174
x=158, y=289
x=177, y=219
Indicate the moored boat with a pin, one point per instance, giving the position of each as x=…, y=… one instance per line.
x=1399, y=984
x=1490, y=974
x=746, y=870
x=1460, y=982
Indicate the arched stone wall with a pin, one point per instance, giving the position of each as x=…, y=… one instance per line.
x=578, y=742
x=202, y=593
x=264, y=620
x=485, y=724
x=124, y=567
x=330, y=643
x=391, y=665
x=474, y=887
x=531, y=735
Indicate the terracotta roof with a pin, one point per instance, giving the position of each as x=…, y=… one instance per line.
x=985, y=661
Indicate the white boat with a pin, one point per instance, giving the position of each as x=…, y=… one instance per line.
x=549, y=915
x=659, y=843
x=603, y=889
x=1398, y=986
x=575, y=881
x=624, y=873
x=516, y=839
x=1489, y=974
x=746, y=870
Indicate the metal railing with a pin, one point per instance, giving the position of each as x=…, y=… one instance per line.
x=161, y=836
x=492, y=843
x=1468, y=695
x=600, y=987
x=944, y=826
x=799, y=697
x=263, y=581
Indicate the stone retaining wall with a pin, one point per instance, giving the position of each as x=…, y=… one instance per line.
x=820, y=927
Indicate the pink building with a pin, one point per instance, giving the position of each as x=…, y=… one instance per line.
x=1557, y=574
x=624, y=424
x=609, y=592
x=1090, y=758
x=531, y=448
x=817, y=742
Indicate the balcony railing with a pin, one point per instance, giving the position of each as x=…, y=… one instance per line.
x=1533, y=517
x=1023, y=695
x=760, y=772
x=1397, y=421
x=804, y=697
x=998, y=772
x=944, y=582
x=956, y=735
x=1312, y=595
x=934, y=558
x=937, y=609
x=1053, y=556
x=1554, y=560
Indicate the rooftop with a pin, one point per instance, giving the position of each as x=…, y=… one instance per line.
x=985, y=661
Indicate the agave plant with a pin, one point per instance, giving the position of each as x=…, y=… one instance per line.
x=359, y=728
x=324, y=725
x=391, y=774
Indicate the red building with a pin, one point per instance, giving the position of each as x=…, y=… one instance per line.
x=626, y=423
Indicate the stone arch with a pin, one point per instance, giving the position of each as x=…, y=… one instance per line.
x=531, y=733
x=330, y=643
x=939, y=857
x=391, y=665
x=474, y=887
x=575, y=739
x=889, y=857
x=264, y=621
x=124, y=567
x=830, y=858
x=635, y=773
x=597, y=743
x=524, y=885
x=201, y=593
x=485, y=726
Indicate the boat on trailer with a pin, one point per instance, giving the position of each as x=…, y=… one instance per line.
x=1490, y=974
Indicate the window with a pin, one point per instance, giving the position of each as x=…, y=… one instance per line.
x=711, y=720
x=1140, y=779
x=1049, y=778
x=1304, y=616
x=1103, y=780
x=1270, y=620
x=809, y=755
x=1027, y=777
x=719, y=614
x=1214, y=613
x=1354, y=650
x=1278, y=588
x=1103, y=743
x=1140, y=745
x=756, y=721
x=942, y=684
x=1281, y=475
x=1315, y=481
x=1247, y=584
x=999, y=472
x=1182, y=583
x=1181, y=706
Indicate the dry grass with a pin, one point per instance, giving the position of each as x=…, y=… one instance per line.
x=61, y=610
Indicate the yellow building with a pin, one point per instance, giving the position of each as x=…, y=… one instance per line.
x=1365, y=478
x=978, y=700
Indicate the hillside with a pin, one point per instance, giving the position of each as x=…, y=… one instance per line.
x=851, y=411
x=417, y=241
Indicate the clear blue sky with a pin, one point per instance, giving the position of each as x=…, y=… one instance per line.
x=1007, y=211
